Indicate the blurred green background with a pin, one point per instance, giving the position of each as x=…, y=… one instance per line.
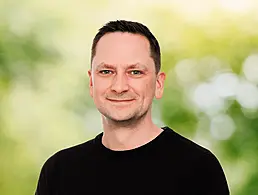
x=209, y=52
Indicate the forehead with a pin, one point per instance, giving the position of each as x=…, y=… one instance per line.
x=122, y=48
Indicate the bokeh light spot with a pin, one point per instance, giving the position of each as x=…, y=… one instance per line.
x=222, y=127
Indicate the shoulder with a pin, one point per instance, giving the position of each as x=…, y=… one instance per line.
x=187, y=148
x=70, y=154
x=77, y=150
x=204, y=167
x=61, y=162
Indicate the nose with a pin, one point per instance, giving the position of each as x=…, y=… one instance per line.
x=120, y=83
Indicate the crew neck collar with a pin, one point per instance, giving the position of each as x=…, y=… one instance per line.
x=156, y=140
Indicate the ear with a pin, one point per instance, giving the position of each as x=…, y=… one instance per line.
x=90, y=83
x=160, y=85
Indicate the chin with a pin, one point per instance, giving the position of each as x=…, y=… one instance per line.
x=120, y=119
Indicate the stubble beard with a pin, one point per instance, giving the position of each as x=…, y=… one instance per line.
x=130, y=121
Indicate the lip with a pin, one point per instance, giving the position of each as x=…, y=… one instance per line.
x=112, y=100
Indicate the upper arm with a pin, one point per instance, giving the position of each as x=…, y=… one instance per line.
x=47, y=178
x=212, y=178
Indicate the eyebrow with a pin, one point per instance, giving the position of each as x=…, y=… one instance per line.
x=131, y=66
x=104, y=65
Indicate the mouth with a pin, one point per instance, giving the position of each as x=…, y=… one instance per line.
x=118, y=101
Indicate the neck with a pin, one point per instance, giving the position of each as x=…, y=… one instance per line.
x=128, y=135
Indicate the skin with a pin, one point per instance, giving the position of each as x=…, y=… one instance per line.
x=123, y=84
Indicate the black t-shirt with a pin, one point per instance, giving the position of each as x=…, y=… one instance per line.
x=169, y=164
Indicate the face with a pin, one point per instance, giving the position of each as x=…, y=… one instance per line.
x=123, y=81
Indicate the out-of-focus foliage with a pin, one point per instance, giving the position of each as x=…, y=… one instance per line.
x=209, y=52
x=20, y=57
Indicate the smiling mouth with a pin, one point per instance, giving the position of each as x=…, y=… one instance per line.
x=112, y=100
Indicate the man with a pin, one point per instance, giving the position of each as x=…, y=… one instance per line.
x=131, y=155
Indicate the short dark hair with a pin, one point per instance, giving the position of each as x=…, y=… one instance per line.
x=129, y=27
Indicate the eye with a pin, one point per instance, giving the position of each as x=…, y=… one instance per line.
x=105, y=72
x=136, y=72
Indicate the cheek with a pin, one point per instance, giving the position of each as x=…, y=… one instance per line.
x=145, y=89
x=100, y=87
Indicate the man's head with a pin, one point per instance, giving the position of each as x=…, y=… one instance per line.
x=125, y=70
x=133, y=28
